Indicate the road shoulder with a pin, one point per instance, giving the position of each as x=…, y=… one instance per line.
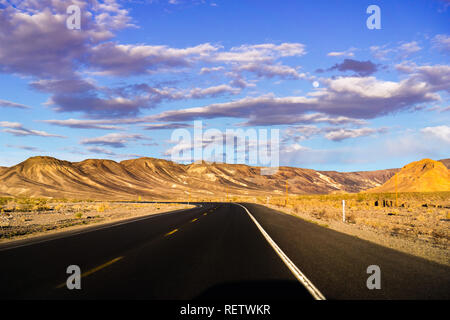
x=413, y=247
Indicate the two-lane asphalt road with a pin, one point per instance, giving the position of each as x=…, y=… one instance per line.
x=215, y=251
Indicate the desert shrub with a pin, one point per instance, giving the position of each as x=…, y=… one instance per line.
x=59, y=207
x=24, y=207
x=321, y=213
x=24, y=204
x=40, y=207
x=350, y=218
x=102, y=207
x=421, y=218
x=4, y=201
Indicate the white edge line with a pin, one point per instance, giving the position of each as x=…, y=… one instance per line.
x=92, y=229
x=288, y=262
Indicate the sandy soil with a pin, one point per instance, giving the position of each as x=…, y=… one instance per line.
x=68, y=216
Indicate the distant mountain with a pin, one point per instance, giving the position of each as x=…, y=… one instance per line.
x=446, y=162
x=153, y=178
x=420, y=176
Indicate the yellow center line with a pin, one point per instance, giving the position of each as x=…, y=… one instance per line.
x=88, y=273
x=171, y=232
x=206, y=213
x=193, y=220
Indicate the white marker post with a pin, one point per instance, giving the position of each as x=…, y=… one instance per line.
x=343, y=211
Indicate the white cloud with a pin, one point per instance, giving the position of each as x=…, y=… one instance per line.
x=270, y=71
x=197, y=93
x=115, y=140
x=17, y=129
x=347, y=53
x=442, y=43
x=210, y=70
x=101, y=151
x=342, y=134
x=409, y=48
x=331, y=133
x=401, y=51
x=9, y=104
x=349, y=97
x=35, y=41
x=260, y=52
x=82, y=124
x=294, y=148
x=441, y=132
x=119, y=59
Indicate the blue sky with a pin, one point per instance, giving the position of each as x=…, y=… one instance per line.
x=344, y=97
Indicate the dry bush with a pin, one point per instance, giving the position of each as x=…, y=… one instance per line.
x=102, y=207
x=417, y=214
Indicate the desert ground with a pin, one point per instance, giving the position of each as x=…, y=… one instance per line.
x=419, y=225
x=26, y=217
